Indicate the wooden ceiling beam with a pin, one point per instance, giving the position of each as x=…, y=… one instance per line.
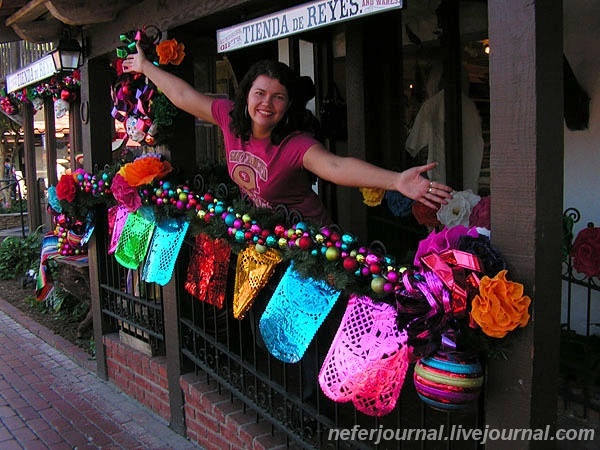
x=86, y=12
x=39, y=31
x=28, y=13
x=8, y=35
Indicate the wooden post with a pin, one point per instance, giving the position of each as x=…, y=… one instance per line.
x=173, y=354
x=50, y=141
x=33, y=191
x=97, y=138
x=354, y=218
x=75, y=132
x=527, y=191
x=449, y=16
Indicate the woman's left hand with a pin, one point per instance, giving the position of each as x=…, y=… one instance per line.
x=414, y=185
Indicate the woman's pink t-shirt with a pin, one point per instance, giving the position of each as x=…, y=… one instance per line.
x=271, y=174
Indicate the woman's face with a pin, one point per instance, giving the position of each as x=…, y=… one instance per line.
x=267, y=102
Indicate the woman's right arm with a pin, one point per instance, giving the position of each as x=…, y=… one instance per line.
x=179, y=92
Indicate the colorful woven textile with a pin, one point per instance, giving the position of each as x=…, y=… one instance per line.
x=294, y=314
x=207, y=272
x=44, y=283
x=253, y=272
x=134, y=241
x=164, y=248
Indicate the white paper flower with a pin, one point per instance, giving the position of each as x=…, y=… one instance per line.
x=458, y=209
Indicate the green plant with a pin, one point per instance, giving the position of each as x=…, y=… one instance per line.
x=92, y=348
x=19, y=255
x=56, y=299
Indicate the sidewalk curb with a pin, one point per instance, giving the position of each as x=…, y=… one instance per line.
x=78, y=355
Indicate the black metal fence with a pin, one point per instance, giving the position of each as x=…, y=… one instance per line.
x=580, y=337
x=230, y=353
x=133, y=307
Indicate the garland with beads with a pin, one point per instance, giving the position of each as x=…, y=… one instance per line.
x=63, y=87
x=327, y=253
x=322, y=253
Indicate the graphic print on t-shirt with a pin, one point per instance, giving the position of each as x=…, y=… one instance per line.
x=246, y=171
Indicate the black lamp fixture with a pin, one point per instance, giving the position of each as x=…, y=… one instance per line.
x=68, y=54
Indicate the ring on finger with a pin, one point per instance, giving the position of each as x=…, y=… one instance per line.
x=431, y=184
x=429, y=190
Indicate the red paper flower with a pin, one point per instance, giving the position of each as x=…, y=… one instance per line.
x=118, y=65
x=586, y=252
x=126, y=195
x=480, y=214
x=425, y=215
x=66, y=188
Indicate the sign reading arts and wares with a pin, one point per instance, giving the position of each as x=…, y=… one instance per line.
x=37, y=71
x=298, y=19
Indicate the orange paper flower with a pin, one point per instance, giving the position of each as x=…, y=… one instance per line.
x=145, y=170
x=170, y=52
x=500, y=306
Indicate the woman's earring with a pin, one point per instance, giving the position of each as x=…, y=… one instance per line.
x=287, y=120
x=246, y=111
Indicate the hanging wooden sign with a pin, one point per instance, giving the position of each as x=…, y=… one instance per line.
x=298, y=19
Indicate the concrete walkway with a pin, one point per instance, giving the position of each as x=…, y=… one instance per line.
x=50, y=397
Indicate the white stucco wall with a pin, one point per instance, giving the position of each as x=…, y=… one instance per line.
x=582, y=148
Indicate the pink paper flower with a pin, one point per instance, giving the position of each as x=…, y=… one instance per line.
x=126, y=195
x=438, y=242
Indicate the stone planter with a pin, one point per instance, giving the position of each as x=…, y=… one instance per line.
x=12, y=220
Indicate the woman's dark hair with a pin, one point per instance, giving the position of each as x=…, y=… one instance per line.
x=298, y=90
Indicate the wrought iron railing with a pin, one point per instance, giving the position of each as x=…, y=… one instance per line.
x=133, y=307
x=229, y=352
x=580, y=337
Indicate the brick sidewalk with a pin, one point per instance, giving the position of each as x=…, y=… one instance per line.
x=50, y=397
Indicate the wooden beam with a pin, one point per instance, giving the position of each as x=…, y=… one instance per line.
x=39, y=31
x=527, y=189
x=28, y=13
x=33, y=189
x=8, y=35
x=105, y=38
x=354, y=218
x=87, y=12
x=97, y=134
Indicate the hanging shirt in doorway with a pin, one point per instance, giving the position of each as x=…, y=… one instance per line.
x=428, y=131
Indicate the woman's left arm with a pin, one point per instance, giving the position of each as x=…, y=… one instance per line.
x=348, y=171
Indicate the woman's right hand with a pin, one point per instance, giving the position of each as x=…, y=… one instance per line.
x=178, y=91
x=134, y=62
